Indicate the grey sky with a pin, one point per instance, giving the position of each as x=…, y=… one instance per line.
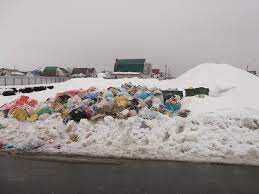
x=180, y=33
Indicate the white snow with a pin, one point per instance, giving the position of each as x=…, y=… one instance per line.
x=223, y=127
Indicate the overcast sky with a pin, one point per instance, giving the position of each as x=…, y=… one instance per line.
x=180, y=33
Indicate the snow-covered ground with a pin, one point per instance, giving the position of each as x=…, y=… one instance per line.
x=222, y=127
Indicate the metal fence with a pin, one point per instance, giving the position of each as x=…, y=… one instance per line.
x=25, y=80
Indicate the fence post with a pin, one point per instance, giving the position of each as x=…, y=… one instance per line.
x=13, y=81
x=5, y=81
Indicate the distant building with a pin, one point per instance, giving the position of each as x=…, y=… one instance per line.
x=11, y=72
x=84, y=72
x=132, y=68
x=52, y=71
x=156, y=73
x=36, y=72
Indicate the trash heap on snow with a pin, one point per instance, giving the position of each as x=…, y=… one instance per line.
x=93, y=104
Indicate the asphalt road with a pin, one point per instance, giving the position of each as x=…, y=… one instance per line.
x=38, y=177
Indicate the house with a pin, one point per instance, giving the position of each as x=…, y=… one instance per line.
x=52, y=71
x=10, y=72
x=132, y=68
x=36, y=72
x=156, y=73
x=84, y=72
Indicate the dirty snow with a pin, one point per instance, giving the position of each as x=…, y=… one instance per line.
x=223, y=127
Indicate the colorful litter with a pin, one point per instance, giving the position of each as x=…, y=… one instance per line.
x=93, y=104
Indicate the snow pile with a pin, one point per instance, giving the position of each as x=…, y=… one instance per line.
x=230, y=88
x=223, y=127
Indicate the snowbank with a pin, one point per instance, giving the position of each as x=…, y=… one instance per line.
x=223, y=127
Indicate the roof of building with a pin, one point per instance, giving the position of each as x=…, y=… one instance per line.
x=52, y=70
x=131, y=61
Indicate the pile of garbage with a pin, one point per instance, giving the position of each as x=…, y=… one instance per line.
x=93, y=104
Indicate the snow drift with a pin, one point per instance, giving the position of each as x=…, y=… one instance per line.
x=223, y=127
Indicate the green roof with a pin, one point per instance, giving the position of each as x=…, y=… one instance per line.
x=52, y=70
x=129, y=65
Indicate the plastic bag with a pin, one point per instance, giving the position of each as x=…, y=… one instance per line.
x=121, y=101
x=44, y=110
x=78, y=114
x=20, y=114
x=34, y=117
